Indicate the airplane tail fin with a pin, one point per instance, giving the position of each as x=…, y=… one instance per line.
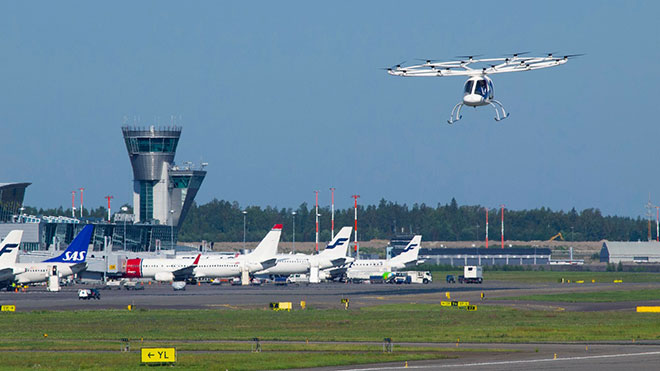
x=77, y=250
x=410, y=253
x=338, y=247
x=9, y=248
x=267, y=248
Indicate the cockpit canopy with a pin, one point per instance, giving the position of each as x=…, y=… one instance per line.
x=480, y=86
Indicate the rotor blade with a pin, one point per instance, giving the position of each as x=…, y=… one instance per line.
x=469, y=56
x=573, y=55
x=515, y=54
x=427, y=60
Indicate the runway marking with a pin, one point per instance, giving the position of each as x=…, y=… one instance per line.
x=508, y=362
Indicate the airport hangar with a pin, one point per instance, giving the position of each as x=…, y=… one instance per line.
x=163, y=193
x=630, y=252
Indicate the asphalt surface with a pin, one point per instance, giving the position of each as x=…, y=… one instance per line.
x=603, y=357
x=325, y=295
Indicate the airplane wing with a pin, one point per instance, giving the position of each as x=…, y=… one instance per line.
x=78, y=267
x=337, y=262
x=187, y=272
x=7, y=274
x=268, y=263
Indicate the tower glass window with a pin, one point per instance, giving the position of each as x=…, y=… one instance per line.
x=146, y=200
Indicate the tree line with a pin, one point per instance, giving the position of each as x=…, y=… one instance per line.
x=220, y=220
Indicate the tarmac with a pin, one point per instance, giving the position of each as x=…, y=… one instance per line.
x=324, y=295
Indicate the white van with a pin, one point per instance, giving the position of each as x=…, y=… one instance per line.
x=420, y=277
x=298, y=278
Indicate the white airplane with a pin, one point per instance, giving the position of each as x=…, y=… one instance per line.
x=8, y=255
x=262, y=257
x=161, y=270
x=364, y=268
x=333, y=255
x=478, y=90
x=70, y=262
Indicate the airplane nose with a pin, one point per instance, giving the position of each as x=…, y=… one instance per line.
x=472, y=99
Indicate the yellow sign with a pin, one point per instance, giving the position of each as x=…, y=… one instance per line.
x=303, y=304
x=648, y=309
x=112, y=267
x=158, y=355
x=471, y=307
x=445, y=303
x=463, y=303
x=447, y=295
x=618, y=281
x=9, y=308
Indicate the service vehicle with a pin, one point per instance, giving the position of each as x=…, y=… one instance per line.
x=420, y=277
x=471, y=274
x=179, y=285
x=88, y=294
x=298, y=278
x=450, y=278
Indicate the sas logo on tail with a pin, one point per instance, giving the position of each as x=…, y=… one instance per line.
x=8, y=248
x=412, y=246
x=340, y=241
x=75, y=256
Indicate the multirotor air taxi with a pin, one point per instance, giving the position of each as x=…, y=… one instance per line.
x=478, y=90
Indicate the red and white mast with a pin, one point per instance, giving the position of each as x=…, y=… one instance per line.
x=108, y=198
x=73, y=204
x=502, y=206
x=486, y=227
x=357, y=250
x=332, y=210
x=81, y=201
x=317, y=221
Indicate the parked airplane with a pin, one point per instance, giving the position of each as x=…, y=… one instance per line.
x=70, y=262
x=261, y=258
x=8, y=255
x=162, y=270
x=364, y=268
x=334, y=255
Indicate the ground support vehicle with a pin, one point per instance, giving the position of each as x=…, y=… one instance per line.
x=88, y=294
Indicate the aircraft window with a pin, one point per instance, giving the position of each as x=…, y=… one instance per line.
x=490, y=89
x=468, y=87
x=481, y=88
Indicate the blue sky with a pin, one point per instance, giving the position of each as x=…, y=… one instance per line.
x=283, y=98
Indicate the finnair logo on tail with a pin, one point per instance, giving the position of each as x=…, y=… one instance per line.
x=412, y=246
x=74, y=256
x=8, y=248
x=340, y=241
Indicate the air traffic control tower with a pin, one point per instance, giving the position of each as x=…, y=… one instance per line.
x=162, y=191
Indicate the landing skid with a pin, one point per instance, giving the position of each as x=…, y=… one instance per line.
x=499, y=117
x=455, y=114
x=500, y=112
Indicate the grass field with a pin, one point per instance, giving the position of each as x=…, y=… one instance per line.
x=219, y=339
x=405, y=322
x=553, y=277
x=593, y=297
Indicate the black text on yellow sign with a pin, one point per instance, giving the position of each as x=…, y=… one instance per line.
x=9, y=308
x=158, y=355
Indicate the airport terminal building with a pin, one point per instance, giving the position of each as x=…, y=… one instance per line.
x=163, y=193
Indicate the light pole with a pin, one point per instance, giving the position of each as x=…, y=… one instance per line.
x=20, y=216
x=293, y=239
x=124, y=209
x=244, y=224
x=172, y=228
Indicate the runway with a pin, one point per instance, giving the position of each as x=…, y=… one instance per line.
x=324, y=295
x=604, y=357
